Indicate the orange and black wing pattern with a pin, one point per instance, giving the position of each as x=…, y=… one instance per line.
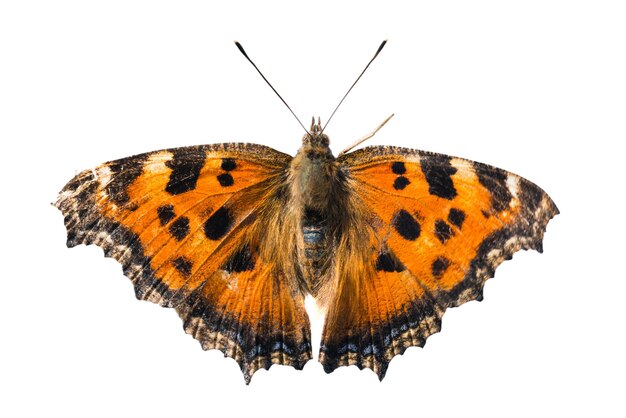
x=186, y=226
x=438, y=227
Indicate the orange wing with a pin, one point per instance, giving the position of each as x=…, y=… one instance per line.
x=438, y=227
x=184, y=225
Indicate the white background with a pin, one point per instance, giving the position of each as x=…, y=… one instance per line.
x=536, y=87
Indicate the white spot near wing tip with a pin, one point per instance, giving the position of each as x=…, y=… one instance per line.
x=462, y=167
x=512, y=183
x=103, y=174
x=156, y=162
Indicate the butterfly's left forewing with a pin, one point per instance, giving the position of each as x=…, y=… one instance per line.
x=438, y=226
x=187, y=224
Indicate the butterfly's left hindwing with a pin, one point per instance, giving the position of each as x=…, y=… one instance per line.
x=438, y=227
x=185, y=224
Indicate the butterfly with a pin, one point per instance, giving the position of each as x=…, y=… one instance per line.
x=234, y=236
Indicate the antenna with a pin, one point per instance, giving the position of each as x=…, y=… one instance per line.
x=380, y=48
x=269, y=84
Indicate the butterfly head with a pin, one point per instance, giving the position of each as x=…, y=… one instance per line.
x=315, y=138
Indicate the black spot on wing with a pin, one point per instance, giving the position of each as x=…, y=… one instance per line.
x=185, y=172
x=494, y=180
x=388, y=262
x=398, y=167
x=228, y=164
x=406, y=225
x=438, y=172
x=183, y=265
x=166, y=214
x=180, y=228
x=240, y=261
x=400, y=183
x=439, y=266
x=456, y=217
x=443, y=232
x=225, y=180
x=218, y=224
